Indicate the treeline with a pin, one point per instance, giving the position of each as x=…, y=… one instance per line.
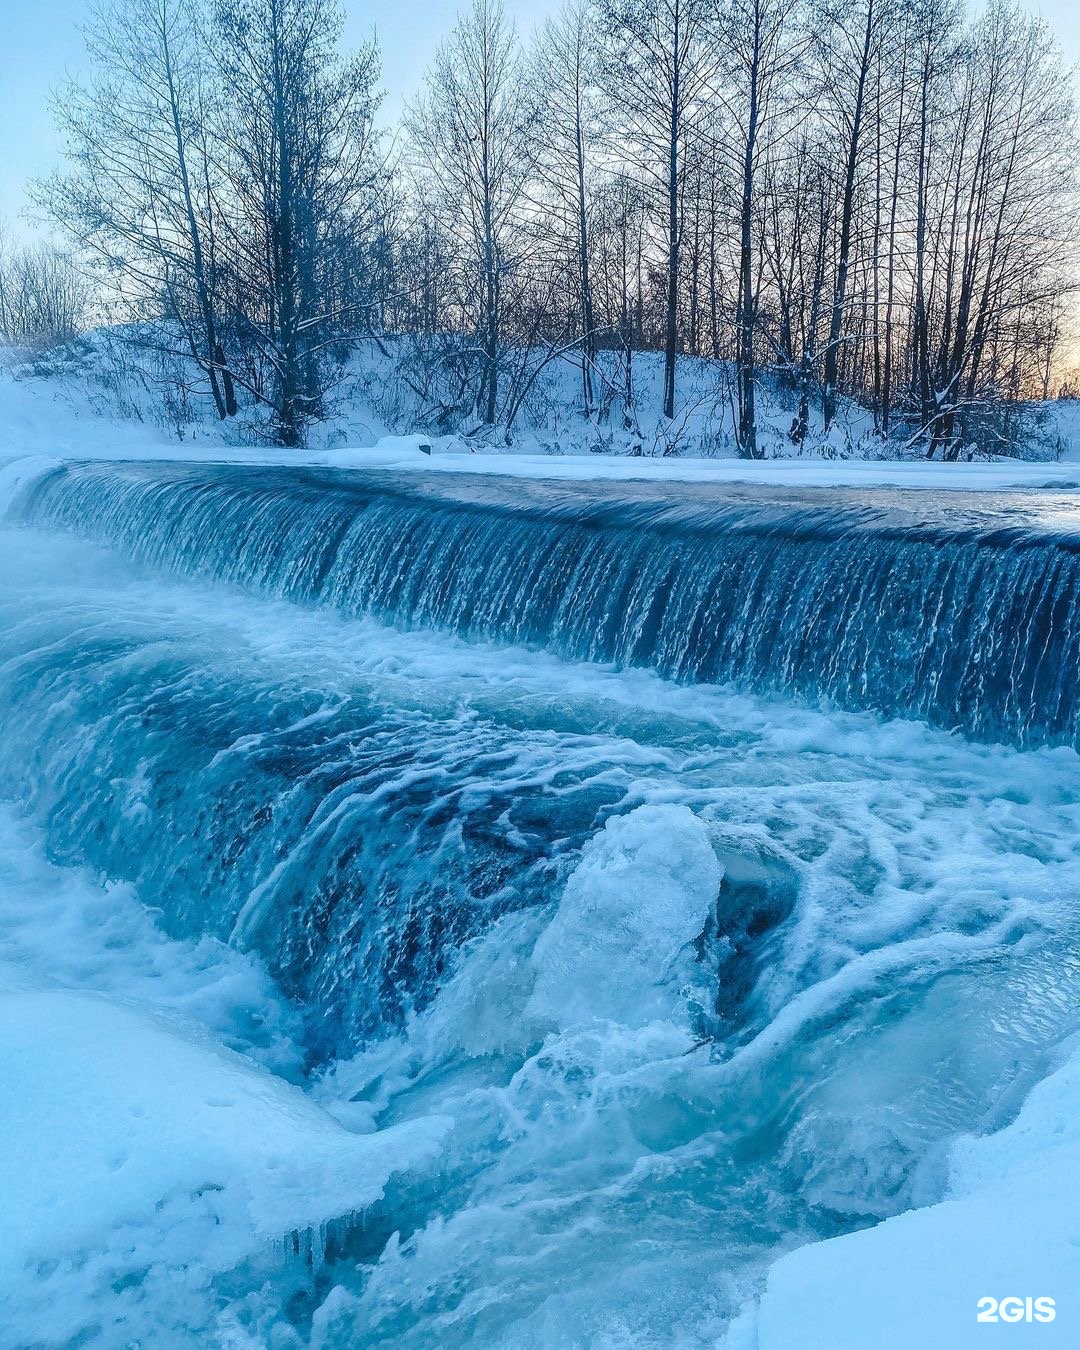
x=873, y=199
x=43, y=297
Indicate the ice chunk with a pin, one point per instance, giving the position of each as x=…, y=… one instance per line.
x=618, y=947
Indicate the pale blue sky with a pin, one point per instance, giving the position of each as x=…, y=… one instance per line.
x=40, y=43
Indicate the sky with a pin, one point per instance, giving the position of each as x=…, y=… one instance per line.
x=41, y=45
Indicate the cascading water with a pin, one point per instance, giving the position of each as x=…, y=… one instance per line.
x=968, y=619
x=668, y=977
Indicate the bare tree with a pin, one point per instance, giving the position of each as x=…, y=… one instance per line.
x=44, y=299
x=129, y=196
x=874, y=205
x=472, y=132
x=565, y=66
x=760, y=64
x=1005, y=252
x=849, y=43
x=659, y=58
x=295, y=129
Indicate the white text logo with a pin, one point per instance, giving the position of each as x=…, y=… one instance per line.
x=1016, y=1310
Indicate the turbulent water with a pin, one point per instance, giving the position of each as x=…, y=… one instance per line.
x=519, y=820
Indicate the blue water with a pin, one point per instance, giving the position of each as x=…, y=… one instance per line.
x=698, y=970
x=963, y=613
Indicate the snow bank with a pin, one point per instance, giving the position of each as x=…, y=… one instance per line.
x=65, y=416
x=1010, y=1229
x=62, y=416
x=111, y=1116
x=142, y=1156
x=109, y=1111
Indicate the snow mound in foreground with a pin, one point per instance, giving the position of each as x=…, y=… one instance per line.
x=130, y=1142
x=1010, y=1230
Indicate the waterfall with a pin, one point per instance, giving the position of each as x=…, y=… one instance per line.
x=966, y=615
x=565, y=952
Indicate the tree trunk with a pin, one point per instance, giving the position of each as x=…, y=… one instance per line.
x=209, y=359
x=833, y=349
x=588, y=334
x=747, y=430
x=671, y=325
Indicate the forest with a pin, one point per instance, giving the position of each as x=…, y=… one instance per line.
x=867, y=203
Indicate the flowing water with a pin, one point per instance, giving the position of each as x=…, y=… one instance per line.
x=704, y=862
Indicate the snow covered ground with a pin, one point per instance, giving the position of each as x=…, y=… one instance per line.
x=1009, y=1232
x=404, y=453
x=68, y=415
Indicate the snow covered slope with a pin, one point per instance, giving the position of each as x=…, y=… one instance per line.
x=1010, y=1230
x=73, y=408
